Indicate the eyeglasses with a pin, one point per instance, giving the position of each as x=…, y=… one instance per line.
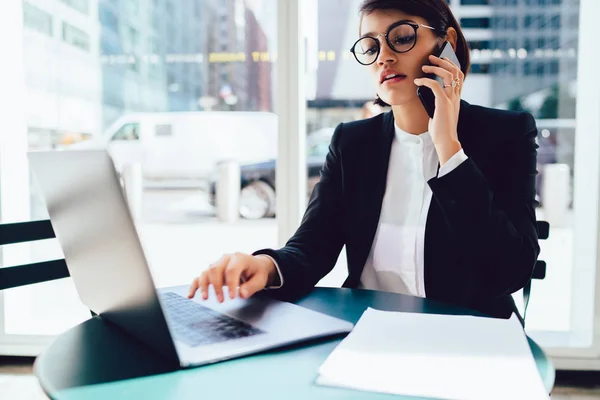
x=400, y=36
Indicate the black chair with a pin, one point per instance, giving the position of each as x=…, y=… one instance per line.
x=28, y=274
x=539, y=271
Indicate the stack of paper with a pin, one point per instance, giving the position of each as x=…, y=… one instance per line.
x=439, y=356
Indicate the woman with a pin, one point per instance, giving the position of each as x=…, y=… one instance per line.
x=441, y=208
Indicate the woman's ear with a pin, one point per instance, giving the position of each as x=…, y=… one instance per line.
x=452, y=37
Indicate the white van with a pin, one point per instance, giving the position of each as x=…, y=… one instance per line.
x=188, y=145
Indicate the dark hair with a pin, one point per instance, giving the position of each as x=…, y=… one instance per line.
x=437, y=13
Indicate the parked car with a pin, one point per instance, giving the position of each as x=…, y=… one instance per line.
x=257, y=196
x=187, y=145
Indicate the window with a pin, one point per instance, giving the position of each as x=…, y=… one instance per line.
x=37, y=19
x=542, y=21
x=131, y=41
x=508, y=68
x=108, y=19
x=480, y=45
x=504, y=44
x=85, y=84
x=162, y=130
x=133, y=64
x=477, y=23
x=79, y=5
x=542, y=2
x=75, y=37
x=133, y=7
x=127, y=132
x=533, y=43
x=480, y=68
x=505, y=22
x=153, y=45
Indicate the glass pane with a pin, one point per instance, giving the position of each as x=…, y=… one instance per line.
x=519, y=62
x=537, y=72
x=339, y=88
x=180, y=93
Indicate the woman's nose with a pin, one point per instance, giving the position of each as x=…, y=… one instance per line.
x=386, y=54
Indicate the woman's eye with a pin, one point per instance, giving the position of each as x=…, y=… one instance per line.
x=371, y=50
x=404, y=39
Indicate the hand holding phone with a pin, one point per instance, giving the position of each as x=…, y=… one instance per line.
x=425, y=94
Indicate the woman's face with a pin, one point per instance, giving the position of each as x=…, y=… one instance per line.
x=401, y=90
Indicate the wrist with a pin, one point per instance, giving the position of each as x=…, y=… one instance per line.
x=447, y=149
x=273, y=274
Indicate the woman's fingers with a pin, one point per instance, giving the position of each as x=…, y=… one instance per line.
x=200, y=283
x=215, y=276
x=233, y=272
x=257, y=282
x=448, y=65
x=194, y=287
x=446, y=75
x=249, y=273
x=433, y=85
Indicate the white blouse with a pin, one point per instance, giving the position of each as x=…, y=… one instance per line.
x=395, y=262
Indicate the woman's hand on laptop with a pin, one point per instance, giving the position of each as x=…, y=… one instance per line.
x=250, y=273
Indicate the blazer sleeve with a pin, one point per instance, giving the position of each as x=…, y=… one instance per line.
x=314, y=249
x=496, y=228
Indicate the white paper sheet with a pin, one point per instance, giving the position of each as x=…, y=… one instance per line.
x=439, y=356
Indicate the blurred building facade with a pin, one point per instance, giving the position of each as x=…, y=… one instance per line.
x=520, y=48
x=62, y=69
x=88, y=62
x=528, y=48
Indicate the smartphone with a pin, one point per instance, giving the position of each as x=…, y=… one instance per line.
x=425, y=94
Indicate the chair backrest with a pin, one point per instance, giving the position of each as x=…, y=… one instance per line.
x=27, y=274
x=539, y=271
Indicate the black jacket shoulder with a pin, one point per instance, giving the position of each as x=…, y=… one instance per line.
x=476, y=124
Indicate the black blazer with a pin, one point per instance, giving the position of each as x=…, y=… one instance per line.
x=481, y=240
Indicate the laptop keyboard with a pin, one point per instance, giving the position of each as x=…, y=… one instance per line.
x=196, y=325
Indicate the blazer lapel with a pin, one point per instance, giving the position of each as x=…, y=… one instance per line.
x=373, y=190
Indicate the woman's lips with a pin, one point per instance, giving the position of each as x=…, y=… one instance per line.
x=394, y=80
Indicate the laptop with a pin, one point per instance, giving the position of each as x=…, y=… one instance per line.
x=93, y=224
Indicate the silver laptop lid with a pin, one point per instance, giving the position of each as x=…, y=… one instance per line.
x=94, y=227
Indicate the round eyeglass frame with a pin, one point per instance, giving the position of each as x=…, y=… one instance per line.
x=386, y=35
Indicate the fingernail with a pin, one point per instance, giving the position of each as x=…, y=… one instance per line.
x=244, y=292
